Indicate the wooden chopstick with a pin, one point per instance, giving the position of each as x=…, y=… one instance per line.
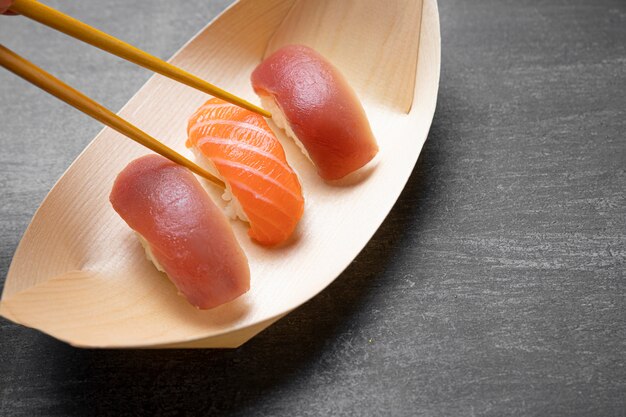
x=79, y=30
x=30, y=72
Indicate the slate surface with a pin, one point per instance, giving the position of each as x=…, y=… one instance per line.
x=495, y=287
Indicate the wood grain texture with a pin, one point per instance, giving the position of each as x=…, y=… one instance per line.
x=80, y=257
x=386, y=36
x=495, y=287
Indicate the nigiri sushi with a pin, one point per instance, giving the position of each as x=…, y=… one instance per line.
x=238, y=146
x=183, y=232
x=311, y=100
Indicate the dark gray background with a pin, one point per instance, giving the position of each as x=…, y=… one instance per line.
x=495, y=286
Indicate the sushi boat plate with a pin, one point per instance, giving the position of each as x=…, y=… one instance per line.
x=80, y=275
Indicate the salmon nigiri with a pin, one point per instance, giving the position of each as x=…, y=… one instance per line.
x=311, y=100
x=184, y=233
x=238, y=146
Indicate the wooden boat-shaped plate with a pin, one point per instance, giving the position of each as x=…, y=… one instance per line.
x=80, y=275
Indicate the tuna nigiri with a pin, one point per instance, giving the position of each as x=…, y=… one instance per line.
x=238, y=146
x=311, y=100
x=184, y=233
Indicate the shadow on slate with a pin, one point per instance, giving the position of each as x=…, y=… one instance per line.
x=228, y=382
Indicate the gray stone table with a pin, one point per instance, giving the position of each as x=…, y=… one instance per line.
x=495, y=286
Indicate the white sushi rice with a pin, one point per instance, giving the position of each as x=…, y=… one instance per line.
x=278, y=117
x=149, y=254
x=233, y=208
